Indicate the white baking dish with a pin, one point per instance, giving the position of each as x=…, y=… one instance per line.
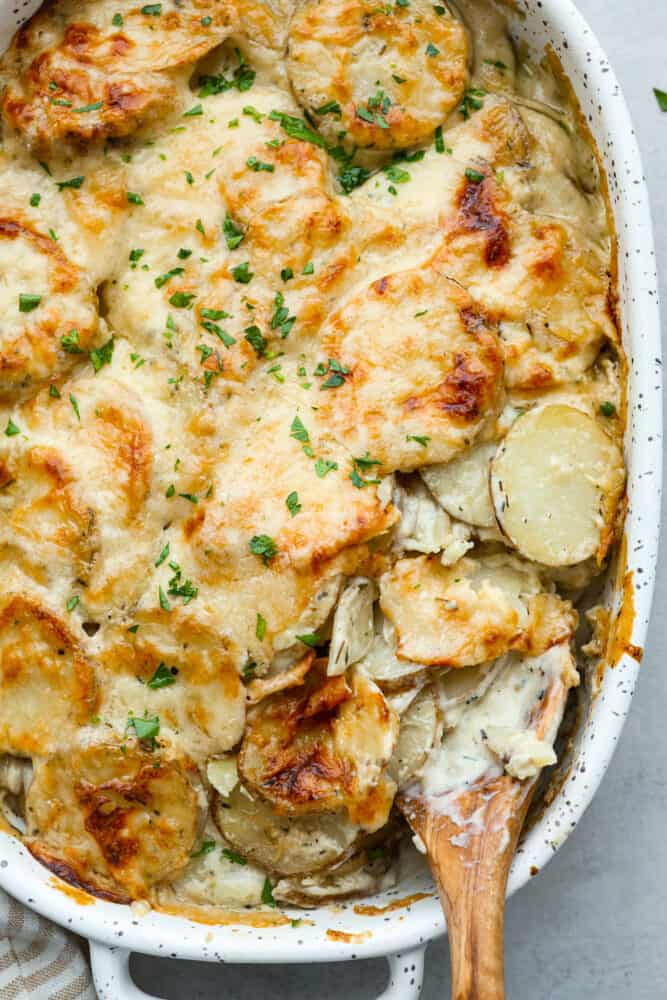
x=402, y=934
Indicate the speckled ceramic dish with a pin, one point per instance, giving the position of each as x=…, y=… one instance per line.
x=411, y=914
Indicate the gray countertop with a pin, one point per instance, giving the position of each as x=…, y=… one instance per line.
x=594, y=924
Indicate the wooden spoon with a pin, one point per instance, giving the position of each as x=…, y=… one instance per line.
x=470, y=846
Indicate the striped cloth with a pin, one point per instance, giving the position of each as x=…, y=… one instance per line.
x=38, y=960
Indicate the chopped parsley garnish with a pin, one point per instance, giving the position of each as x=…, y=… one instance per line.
x=87, y=107
x=206, y=847
x=396, y=174
x=337, y=376
x=472, y=101
x=299, y=432
x=474, y=175
x=60, y=102
x=242, y=273
x=330, y=108
x=189, y=178
x=253, y=113
x=73, y=182
x=117, y=20
x=399, y=79
x=134, y=198
x=154, y=9
x=181, y=588
x=263, y=546
x=184, y=253
x=439, y=141
x=281, y=319
x=439, y=9
x=259, y=165
x=431, y=50
x=661, y=98
x=53, y=392
x=70, y=342
x=309, y=268
x=35, y=200
x=361, y=466
x=194, y=112
x=607, y=409
x=260, y=627
x=162, y=678
x=136, y=255
x=217, y=331
x=75, y=406
x=101, y=356
x=297, y=128
x=11, y=430
x=421, y=439
x=145, y=729
x=206, y=21
x=287, y=273
x=182, y=300
x=351, y=177
x=28, y=302
x=243, y=79
x=72, y=602
x=233, y=856
x=162, y=279
x=163, y=555
x=214, y=314
x=233, y=235
x=310, y=639
x=253, y=335
x=162, y=597
x=497, y=63
x=292, y=502
x=267, y=894
x=324, y=466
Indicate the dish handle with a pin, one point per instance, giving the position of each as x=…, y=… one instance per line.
x=111, y=973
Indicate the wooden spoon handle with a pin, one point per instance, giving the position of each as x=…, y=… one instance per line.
x=470, y=859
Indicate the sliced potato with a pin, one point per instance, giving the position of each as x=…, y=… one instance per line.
x=556, y=482
x=465, y=687
x=322, y=747
x=425, y=526
x=360, y=875
x=114, y=820
x=461, y=486
x=352, y=631
x=283, y=845
x=421, y=728
x=214, y=878
x=471, y=612
x=383, y=665
x=47, y=684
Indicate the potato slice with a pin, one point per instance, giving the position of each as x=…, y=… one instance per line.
x=556, y=482
x=321, y=747
x=283, y=845
x=358, y=876
x=465, y=687
x=115, y=820
x=352, y=631
x=47, y=683
x=461, y=486
x=421, y=728
x=472, y=612
x=383, y=665
x=425, y=526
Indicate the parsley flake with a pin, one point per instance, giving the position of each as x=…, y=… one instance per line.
x=28, y=302
x=264, y=547
x=292, y=502
x=260, y=627
x=73, y=182
x=233, y=235
x=11, y=430
x=242, y=273
x=163, y=677
x=101, y=356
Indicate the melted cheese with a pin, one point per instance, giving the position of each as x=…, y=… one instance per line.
x=257, y=352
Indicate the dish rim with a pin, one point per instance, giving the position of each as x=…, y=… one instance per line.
x=559, y=23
